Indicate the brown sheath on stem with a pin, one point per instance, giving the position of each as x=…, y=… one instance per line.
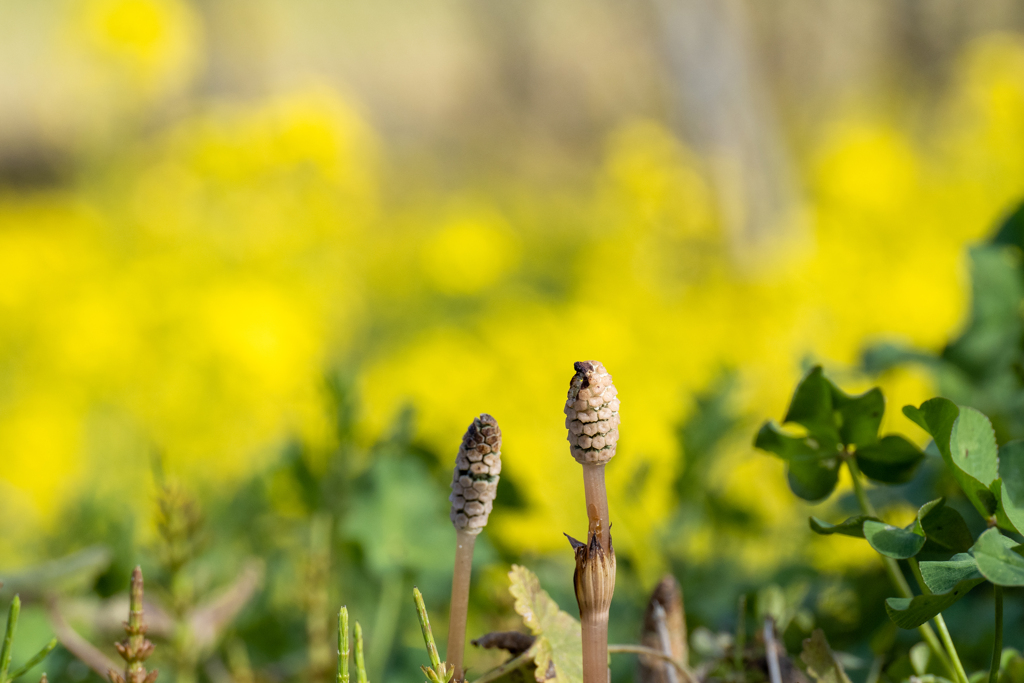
x=474, y=485
x=594, y=581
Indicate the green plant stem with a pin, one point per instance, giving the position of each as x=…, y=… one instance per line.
x=428, y=635
x=343, y=676
x=940, y=623
x=360, y=662
x=38, y=657
x=899, y=581
x=464, y=542
x=5, y=651
x=997, y=645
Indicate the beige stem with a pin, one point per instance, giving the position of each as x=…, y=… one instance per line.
x=593, y=487
x=595, y=648
x=464, y=542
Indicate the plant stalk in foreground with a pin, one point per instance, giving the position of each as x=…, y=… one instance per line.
x=997, y=644
x=135, y=649
x=592, y=420
x=360, y=660
x=474, y=486
x=343, y=676
x=950, y=662
x=438, y=671
x=12, y=624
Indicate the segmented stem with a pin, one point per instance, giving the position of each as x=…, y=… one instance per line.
x=464, y=543
x=428, y=636
x=12, y=624
x=343, y=645
x=360, y=662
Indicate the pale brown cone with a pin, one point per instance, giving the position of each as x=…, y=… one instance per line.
x=592, y=414
x=475, y=480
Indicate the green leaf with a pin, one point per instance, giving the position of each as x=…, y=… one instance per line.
x=942, y=577
x=854, y=526
x=811, y=406
x=821, y=662
x=813, y=479
x=893, y=460
x=892, y=541
x=860, y=416
x=812, y=473
x=1011, y=471
x=559, y=643
x=772, y=439
x=944, y=525
x=912, y=612
x=997, y=560
x=972, y=445
x=964, y=438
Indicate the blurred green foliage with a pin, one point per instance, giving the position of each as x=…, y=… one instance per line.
x=299, y=321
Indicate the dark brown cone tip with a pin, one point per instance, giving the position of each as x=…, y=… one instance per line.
x=475, y=479
x=592, y=414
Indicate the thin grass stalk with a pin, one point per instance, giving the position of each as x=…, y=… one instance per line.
x=36, y=658
x=343, y=676
x=428, y=635
x=12, y=623
x=360, y=661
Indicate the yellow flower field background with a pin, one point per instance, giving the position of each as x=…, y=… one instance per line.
x=202, y=271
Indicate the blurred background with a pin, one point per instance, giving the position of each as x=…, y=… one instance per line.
x=261, y=262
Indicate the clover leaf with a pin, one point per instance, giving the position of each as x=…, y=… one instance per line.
x=837, y=424
x=967, y=443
